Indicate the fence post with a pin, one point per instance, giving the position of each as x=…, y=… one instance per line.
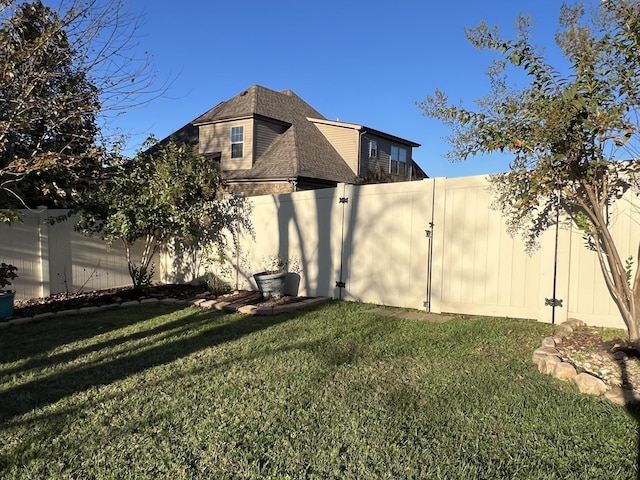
x=43, y=240
x=437, y=244
x=555, y=261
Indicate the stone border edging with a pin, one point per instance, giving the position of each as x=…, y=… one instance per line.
x=201, y=302
x=87, y=310
x=549, y=361
x=240, y=307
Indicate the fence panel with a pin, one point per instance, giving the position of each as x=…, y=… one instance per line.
x=481, y=269
x=20, y=246
x=386, y=248
x=589, y=298
x=54, y=258
x=305, y=226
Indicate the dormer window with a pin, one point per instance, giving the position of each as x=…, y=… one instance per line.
x=398, y=160
x=373, y=149
x=237, y=142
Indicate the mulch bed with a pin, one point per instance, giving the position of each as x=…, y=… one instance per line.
x=68, y=301
x=586, y=349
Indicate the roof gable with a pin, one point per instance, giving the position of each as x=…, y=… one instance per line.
x=284, y=106
x=301, y=151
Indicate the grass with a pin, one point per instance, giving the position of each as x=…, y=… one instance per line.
x=333, y=392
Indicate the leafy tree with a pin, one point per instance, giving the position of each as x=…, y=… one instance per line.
x=566, y=133
x=166, y=193
x=62, y=71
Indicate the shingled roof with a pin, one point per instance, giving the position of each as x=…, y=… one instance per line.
x=301, y=151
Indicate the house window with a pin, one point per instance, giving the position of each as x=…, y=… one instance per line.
x=237, y=142
x=373, y=149
x=398, y=160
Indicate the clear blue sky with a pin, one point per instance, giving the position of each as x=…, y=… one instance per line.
x=360, y=62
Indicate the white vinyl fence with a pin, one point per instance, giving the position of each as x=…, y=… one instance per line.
x=53, y=258
x=432, y=245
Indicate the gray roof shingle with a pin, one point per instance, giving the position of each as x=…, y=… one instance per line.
x=301, y=151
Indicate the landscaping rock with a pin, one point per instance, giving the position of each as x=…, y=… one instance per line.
x=248, y=309
x=85, y=310
x=564, y=371
x=543, y=352
x=564, y=330
x=132, y=303
x=111, y=306
x=20, y=321
x=621, y=396
x=590, y=385
x=316, y=300
x=220, y=305
x=547, y=365
x=548, y=342
x=575, y=323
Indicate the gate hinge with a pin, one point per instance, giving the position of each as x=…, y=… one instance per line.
x=344, y=200
x=340, y=284
x=552, y=302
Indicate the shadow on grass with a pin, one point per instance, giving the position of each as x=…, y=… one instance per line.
x=176, y=342
x=60, y=335
x=631, y=403
x=36, y=339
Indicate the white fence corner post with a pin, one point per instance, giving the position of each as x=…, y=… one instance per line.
x=43, y=237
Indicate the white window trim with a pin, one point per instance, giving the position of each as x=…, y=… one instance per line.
x=241, y=143
x=373, y=149
x=398, y=161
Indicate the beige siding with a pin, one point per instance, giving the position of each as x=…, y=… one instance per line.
x=346, y=142
x=380, y=168
x=250, y=189
x=266, y=133
x=377, y=167
x=217, y=138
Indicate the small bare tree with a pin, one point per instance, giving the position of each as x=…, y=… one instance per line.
x=64, y=73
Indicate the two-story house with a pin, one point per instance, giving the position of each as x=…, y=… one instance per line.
x=274, y=142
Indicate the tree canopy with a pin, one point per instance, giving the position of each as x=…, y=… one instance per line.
x=568, y=133
x=61, y=72
x=166, y=193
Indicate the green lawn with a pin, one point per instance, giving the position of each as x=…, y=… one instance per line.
x=333, y=392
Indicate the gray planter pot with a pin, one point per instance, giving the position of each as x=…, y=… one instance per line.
x=270, y=285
